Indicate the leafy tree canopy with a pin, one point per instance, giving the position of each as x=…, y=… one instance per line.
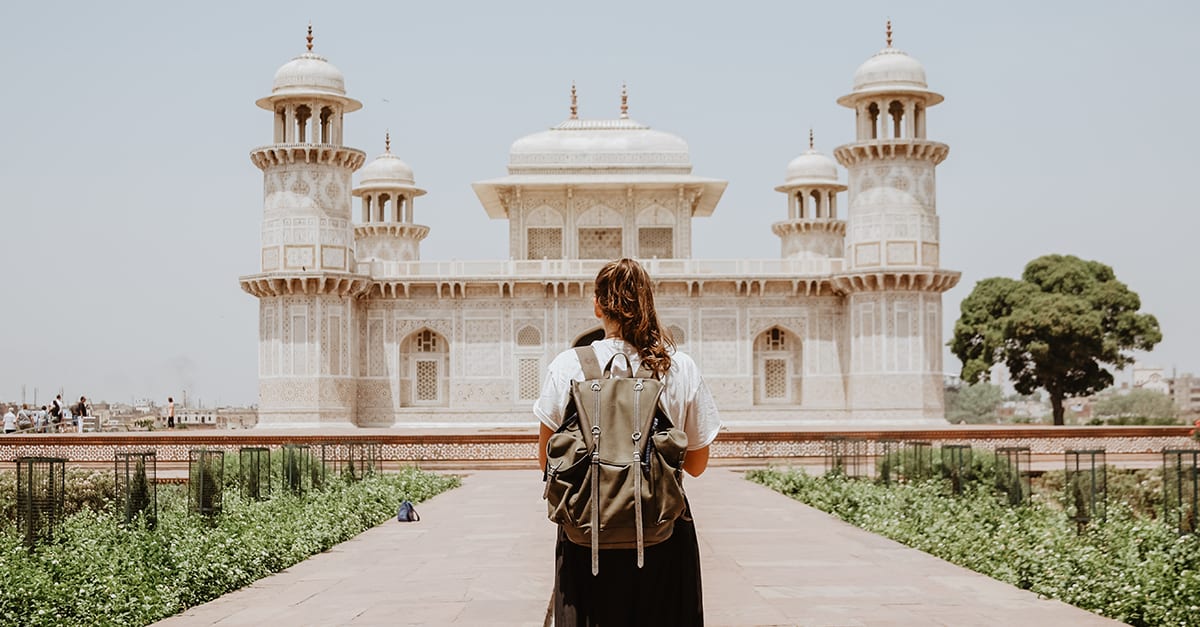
x=1056, y=328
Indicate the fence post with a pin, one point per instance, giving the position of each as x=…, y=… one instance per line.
x=1013, y=478
x=135, y=481
x=1181, y=501
x=1086, y=485
x=41, y=488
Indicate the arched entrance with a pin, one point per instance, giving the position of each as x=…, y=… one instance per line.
x=777, y=367
x=425, y=358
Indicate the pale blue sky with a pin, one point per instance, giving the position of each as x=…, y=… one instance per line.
x=129, y=206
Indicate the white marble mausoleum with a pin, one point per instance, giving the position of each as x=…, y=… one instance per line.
x=355, y=329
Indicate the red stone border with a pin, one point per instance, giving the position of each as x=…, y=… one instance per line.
x=517, y=447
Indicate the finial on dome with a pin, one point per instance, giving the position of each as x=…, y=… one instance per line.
x=387, y=142
x=889, y=32
x=810, y=139
x=624, y=102
x=309, y=37
x=574, y=103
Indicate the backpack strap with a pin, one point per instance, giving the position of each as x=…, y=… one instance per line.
x=642, y=371
x=589, y=362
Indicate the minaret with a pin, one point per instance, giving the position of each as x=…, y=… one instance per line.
x=812, y=230
x=387, y=232
x=308, y=278
x=893, y=282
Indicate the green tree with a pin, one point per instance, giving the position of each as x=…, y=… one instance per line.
x=1138, y=403
x=1055, y=329
x=973, y=404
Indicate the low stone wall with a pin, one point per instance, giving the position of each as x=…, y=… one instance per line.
x=750, y=445
x=516, y=448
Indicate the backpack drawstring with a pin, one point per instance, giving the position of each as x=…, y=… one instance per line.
x=596, y=495
x=637, y=494
x=637, y=468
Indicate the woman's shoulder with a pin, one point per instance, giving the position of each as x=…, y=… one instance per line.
x=682, y=364
x=566, y=360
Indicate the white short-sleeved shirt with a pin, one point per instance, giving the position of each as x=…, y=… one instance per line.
x=686, y=399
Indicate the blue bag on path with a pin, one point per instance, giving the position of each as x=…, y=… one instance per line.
x=407, y=513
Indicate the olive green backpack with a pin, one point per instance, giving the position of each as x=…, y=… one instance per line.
x=615, y=463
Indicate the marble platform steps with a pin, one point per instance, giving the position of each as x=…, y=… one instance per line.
x=482, y=555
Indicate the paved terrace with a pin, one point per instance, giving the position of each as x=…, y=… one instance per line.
x=482, y=555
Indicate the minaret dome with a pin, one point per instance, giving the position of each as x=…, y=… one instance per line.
x=387, y=189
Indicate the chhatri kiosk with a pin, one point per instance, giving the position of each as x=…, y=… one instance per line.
x=844, y=327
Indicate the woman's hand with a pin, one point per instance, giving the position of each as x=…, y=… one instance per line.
x=695, y=461
x=543, y=438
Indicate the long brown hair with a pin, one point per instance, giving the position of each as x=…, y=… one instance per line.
x=623, y=292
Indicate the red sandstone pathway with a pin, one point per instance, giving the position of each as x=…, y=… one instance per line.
x=482, y=555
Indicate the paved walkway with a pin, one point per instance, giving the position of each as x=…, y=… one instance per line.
x=482, y=555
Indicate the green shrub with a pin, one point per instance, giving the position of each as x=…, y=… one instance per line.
x=1131, y=568
x=104, y=573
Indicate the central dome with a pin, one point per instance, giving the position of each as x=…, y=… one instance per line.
x=600, y=144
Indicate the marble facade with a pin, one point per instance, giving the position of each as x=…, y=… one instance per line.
x=356, y=330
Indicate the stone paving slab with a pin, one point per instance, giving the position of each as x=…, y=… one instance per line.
x=770, y=560
x=482, y=555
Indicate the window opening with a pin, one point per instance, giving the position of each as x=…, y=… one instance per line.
x=427, y=342
x=427, y=380
x=599, y=243
x=529, y=336
x=655, y=242
x=775, y=378
x=776, y=339
x=544, y=243
x=529, y=387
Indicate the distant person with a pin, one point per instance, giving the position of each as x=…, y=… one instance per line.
x=43, y=420
x=170, y=412
x=24, y=417
x=80, y=412
x=56, y=412
x=10, y=421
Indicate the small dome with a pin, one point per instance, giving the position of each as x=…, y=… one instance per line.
x=812, y=167
x=386, y=169
x=619, y=143
x=890, y=69
x=308, y=74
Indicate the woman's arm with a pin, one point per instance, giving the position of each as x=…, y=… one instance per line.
x=544, y=437
x=694, y=462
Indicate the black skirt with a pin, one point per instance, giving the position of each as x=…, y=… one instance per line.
x=665, y=591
